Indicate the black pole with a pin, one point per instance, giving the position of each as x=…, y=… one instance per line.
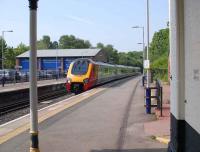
x=33, y=4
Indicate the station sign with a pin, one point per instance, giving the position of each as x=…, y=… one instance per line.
x=146, y=64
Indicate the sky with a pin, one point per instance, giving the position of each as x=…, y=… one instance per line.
x=106, y=21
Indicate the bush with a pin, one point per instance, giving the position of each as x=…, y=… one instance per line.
x=159, y=68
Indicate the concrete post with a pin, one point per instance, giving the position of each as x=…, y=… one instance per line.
x=33, y=77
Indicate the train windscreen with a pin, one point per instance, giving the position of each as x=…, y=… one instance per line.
x=80, y=67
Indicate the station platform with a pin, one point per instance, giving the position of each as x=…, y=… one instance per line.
x=109, y=118
x=25, y=85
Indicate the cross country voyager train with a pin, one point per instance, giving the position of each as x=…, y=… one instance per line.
x=84, y=74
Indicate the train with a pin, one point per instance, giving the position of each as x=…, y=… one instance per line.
x=84, y=74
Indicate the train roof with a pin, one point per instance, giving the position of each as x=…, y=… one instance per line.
x=106, y=64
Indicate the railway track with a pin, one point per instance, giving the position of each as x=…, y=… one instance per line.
x=23, y=103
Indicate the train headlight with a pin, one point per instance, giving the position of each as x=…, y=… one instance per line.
x=69, y=80
x=85, y=81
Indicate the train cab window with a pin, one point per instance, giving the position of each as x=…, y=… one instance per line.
x=80, y=67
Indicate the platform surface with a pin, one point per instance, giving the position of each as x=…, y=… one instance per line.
x=25, y=85
x=109, y=118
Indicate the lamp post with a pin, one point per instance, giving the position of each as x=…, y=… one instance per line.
x=148, y=43
x=2, y=48
x=148, y=90
x=142, y=27
x=143, y=56
x=34, y=147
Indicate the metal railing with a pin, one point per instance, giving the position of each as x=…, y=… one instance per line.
x=158, y=96
x=14, y=76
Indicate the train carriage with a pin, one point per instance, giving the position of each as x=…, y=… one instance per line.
x=84, y=74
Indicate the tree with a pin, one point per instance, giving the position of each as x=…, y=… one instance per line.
x=54, y=45
x=87, y=44
x=159, y=52
x=159, y=44
x=100, y=45
x=4, y=48
x=71, y=42
x=9, y=61
x=44, y=43
x=122, y=58
x=66, y=42
x=111, y=53
x=131, y=58
x=79, y=43
x=21, y=48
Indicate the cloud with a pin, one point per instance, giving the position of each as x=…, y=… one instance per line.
x=79, y=19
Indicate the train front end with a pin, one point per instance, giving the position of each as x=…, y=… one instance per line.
x=79, y=76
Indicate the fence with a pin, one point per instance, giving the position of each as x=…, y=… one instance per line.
x=158, y=96
x=13, y=76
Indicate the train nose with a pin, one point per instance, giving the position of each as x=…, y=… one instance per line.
x=68, y=87
x=68, y=84
x=77, y=88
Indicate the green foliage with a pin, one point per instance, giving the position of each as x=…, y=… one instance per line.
x=133, y=58
x=9, y=61
x=159, y=52
x=111, y=53
x=44, y=43
x=71, y=42
x=161, y=62
x=21, y=48
x=10, y=55
x=100, y=45
x=54, y=45
x=4, y=48
x=159, y=44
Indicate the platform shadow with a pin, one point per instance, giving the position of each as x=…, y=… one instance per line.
x=132, y=150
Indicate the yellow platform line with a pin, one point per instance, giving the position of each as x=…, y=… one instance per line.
x=163, y=140
x=49, y=114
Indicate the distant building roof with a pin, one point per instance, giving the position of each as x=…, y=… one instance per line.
x=63, y=53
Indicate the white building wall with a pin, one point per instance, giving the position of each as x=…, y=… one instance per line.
x=177, y=59
x=192, y=63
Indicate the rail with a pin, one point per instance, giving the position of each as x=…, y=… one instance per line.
x=23, y=103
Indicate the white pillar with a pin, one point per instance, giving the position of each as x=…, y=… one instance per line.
x=177, y=64
x=185, y=75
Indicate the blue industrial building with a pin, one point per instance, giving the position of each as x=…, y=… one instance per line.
x=59, y=59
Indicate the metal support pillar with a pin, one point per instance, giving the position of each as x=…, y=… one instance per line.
x=148, y=101
x=148, y=90
x=2, y=53
x=34, y=147
x=143, y=49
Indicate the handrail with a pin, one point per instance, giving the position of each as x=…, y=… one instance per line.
x=158, y=96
